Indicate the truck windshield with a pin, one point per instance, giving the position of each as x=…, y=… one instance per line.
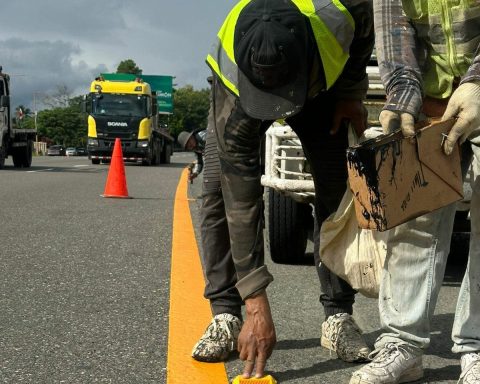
x=120, y=105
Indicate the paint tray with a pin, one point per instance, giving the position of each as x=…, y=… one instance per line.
x=395, y=179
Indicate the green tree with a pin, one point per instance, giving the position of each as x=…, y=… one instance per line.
x=129, y=66
x=190, y=109
x=22, y=116
x=63, y=125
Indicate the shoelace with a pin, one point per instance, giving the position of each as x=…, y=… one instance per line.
x=219, y=326
x=387, y=352
x=340, y=323
x=472, y=361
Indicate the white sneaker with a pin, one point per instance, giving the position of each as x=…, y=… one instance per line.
x=394, y=363
x=219, y=339
x=470, y=363
x=342, y=335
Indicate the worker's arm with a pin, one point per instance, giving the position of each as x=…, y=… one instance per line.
x=398, y=55
x=257, y=337
x=352, y=85
x=464, y=106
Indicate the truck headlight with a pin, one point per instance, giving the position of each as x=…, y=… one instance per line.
x=92, y=142
x=142, y=144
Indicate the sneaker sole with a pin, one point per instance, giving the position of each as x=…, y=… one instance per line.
x=410, y=376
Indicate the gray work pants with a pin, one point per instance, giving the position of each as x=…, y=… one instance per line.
x=218, y=264
x=238, y=141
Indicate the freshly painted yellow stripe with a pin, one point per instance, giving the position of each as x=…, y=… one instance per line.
x=189, y=312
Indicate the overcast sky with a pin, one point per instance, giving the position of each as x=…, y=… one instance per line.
x=45, y=44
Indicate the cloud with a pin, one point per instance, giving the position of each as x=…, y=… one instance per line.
x=49, y=43
x=41, y=66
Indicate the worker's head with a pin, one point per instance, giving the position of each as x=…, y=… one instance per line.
x=187, y=141
x=271, y=50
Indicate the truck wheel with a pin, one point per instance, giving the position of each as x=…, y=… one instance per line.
x=288, y=223
x=22, y=156
x=2, y=157
x=95, y=161
x=28, y=156
x=166, y=153
x=156, y=152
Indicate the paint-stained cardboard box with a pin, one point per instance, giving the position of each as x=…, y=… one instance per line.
x=395, y=179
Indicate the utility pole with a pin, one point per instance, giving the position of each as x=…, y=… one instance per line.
x=35, y=120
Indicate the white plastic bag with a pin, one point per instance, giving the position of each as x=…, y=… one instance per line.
x=352, y=253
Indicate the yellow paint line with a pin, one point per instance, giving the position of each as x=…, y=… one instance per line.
x=189, y=311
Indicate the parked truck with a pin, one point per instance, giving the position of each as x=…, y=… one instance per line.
x=127, y=109
x=14, y=142
x=289, y=194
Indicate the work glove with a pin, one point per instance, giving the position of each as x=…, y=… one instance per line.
x=392, y=121
x=464, y=105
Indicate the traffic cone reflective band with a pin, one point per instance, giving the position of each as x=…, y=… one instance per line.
x=116, y=185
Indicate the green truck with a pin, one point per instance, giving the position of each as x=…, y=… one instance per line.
x=126, y=106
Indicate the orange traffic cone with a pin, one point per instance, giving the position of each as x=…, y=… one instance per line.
x=116, y=185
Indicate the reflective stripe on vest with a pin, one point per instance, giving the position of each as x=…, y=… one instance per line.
x=333, y=28
x=450, y=27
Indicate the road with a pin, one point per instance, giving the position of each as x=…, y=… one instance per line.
x=86, y=295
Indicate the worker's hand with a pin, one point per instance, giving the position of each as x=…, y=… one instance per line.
x=352, y=111
x=392, y=121
x=464, y=105
x=257, y=337
x=192, y=175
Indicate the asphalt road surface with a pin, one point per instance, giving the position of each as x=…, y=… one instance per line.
x=85, y=284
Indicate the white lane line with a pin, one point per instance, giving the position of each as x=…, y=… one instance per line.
x=41, y=170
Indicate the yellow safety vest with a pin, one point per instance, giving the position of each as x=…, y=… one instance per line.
x=450, y=29
x=332, y=25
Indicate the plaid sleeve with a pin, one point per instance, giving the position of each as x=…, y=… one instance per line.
x=397, y=54
x=473, y=73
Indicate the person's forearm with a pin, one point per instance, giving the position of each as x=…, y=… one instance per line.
x=397, y=55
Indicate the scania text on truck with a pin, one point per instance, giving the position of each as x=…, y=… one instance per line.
x=127, y=110
x=14, y=142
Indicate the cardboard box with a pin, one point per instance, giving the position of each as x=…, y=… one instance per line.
x=395, y=179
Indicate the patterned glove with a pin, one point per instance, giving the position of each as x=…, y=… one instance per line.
x=464, y=105
x=392, y=121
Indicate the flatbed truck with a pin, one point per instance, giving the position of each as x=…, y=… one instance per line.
x=14, y=142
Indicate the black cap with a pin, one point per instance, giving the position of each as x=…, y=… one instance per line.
x=271, y=50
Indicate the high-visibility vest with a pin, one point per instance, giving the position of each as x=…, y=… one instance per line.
x=332, y=25
x=450, y=29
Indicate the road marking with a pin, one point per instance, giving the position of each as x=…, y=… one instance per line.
x=41, y=170
x=189, y=312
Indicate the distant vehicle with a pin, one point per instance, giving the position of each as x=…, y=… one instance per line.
x=14, y=142
x=71, y=151
x=56, y=150
x=127, y=110
x=81, y=151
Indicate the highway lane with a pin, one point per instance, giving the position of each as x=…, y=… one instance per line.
x=84, y=280
x=85, y=285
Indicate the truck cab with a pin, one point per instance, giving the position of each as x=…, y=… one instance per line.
x=126, y=110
